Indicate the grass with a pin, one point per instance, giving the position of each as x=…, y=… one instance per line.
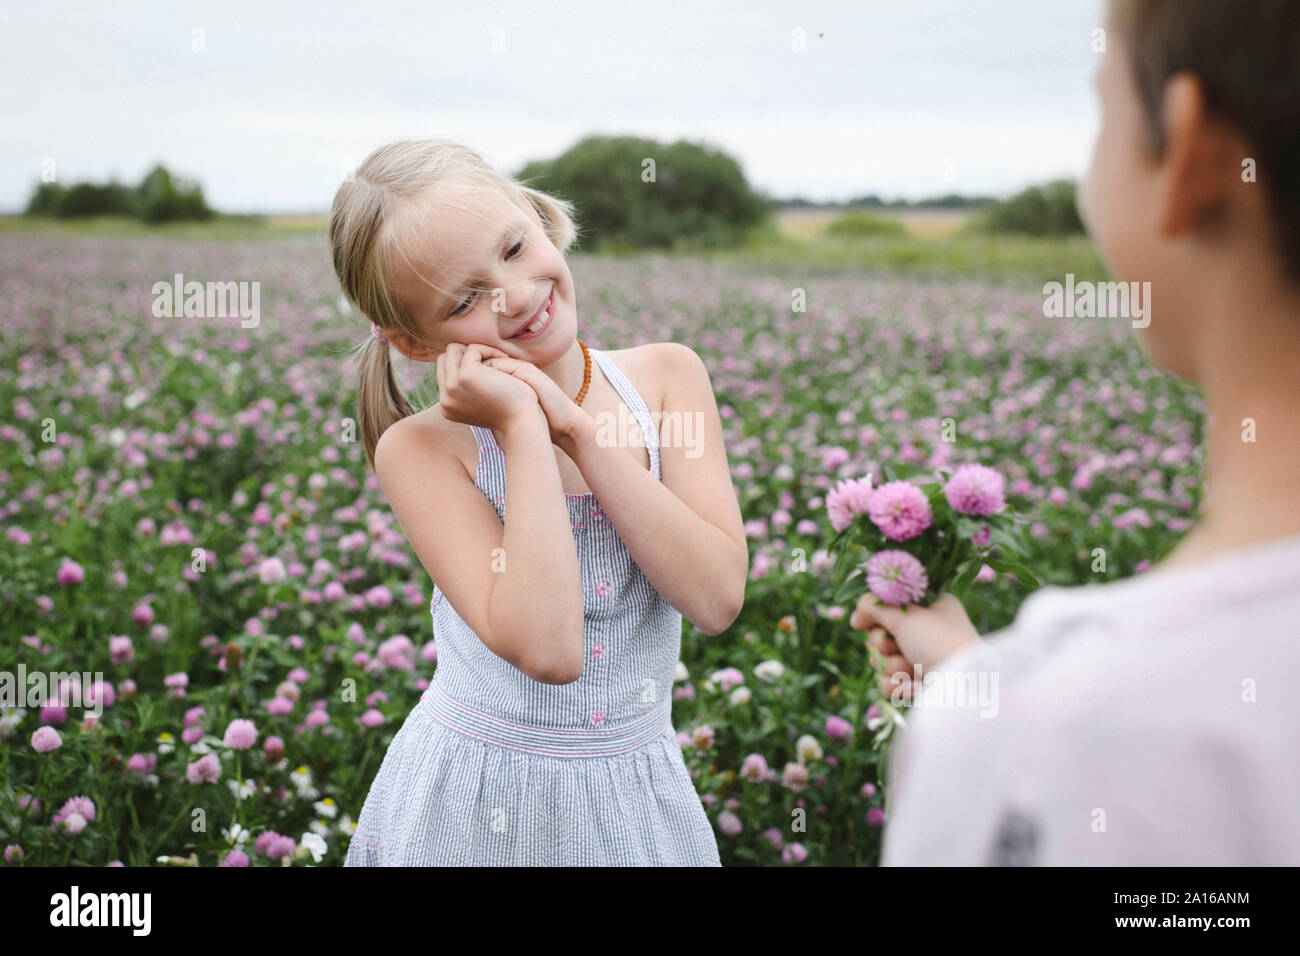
x=963, y=254
x=224, y=227
x=956, y=250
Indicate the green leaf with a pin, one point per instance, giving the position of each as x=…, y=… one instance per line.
x=850, y=587
x=961, y=587
x=1022, y=573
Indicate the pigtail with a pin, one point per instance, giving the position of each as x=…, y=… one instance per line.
x=381, y=403
x=557, y=216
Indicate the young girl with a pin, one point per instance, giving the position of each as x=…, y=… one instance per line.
x=563, y=564
x=1154, y=720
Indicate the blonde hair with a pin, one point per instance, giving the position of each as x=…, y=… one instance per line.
x=369, y=224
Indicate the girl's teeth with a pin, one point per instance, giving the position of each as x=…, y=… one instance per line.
x=540, y=322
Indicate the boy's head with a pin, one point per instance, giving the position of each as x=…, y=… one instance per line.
x=434, y=246
x=1196, y=169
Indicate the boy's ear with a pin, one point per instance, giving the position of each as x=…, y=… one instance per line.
x=1202, y=157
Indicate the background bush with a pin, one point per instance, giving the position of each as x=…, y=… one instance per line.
x=1049, y=210
x=160, y=197
x=699, y=198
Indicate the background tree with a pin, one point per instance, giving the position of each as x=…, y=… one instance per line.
x=699, y=196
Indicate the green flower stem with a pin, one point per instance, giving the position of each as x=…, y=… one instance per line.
x=32, y=796
x=365, y=757
x=167, y=832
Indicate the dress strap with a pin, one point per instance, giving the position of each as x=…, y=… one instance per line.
x=490, y=476
x=633, y=399
x=484, y=437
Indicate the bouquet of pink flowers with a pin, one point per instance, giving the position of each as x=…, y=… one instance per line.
x=908, y=543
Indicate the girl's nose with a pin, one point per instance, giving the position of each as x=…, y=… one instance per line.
x=521, y=302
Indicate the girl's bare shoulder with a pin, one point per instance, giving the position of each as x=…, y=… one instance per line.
x=650, y=368
x=429, y=427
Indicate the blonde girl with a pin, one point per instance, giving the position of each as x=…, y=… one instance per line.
x=563, y=564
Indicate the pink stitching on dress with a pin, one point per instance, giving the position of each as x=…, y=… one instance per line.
x=366, y=839
x=536, y=750
x=433, y=685
x=597, y=651
x=602, y=588
x=597, y=717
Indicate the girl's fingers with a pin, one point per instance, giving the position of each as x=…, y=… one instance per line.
x=453, y=363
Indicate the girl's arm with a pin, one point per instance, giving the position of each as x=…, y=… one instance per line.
x=523, y=599
x=686, y=533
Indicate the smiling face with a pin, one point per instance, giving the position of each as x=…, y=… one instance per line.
x=491, y=269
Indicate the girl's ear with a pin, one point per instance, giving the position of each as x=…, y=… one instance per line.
x=416, y=351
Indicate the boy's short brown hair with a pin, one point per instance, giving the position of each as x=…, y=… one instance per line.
x=1246, y=53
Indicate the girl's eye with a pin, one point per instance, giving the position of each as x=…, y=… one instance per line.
x=469, y=299
x=465, y=304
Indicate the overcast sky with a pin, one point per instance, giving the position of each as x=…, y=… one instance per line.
x=908, y=98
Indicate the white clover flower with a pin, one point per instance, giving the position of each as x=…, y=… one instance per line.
x=236, y=834
x=889, y=718
x=681, y=673
x=242, y=789
x=769, y=670
x=808, y=748
x=315, y=844
x=739, y=696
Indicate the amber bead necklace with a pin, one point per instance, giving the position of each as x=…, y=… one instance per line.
x=586, y=373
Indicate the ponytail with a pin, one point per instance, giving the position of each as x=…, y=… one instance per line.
x=381, y=403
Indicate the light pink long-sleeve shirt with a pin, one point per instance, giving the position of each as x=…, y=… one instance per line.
x=1149, y=721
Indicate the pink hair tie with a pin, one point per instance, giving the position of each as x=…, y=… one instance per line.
x=377, y=333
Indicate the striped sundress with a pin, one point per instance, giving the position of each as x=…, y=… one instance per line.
x=493, y=768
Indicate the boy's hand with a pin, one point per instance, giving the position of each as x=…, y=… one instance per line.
x=922, y=636
x=563, y=414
